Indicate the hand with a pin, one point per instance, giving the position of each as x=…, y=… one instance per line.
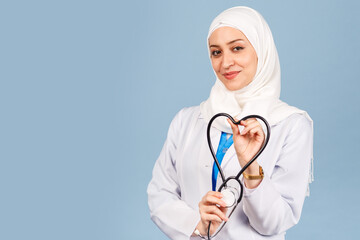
x=248, y=142
x=210, y=211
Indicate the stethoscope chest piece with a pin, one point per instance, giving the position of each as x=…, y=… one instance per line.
x=230, y=196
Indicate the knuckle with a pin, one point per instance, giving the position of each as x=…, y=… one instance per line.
x=214, y=209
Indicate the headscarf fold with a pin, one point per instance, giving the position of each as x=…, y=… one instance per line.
x=261, y=95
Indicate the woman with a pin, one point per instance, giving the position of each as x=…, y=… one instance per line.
x=245, y=61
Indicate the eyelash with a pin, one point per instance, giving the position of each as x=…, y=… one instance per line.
x=238, y=48
x=218, y=52
x=215, y=53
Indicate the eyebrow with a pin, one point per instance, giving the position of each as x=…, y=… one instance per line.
x=229, y=42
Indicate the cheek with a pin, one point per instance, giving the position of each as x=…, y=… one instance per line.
x=215, y=63
x=245, y=60
x=254, y=64
x=250, y=62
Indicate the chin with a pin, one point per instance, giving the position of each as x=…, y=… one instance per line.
x=233, y=86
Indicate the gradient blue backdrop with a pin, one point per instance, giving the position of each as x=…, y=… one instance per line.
x=88, y=89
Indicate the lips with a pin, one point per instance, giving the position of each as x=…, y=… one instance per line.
x=231, y=75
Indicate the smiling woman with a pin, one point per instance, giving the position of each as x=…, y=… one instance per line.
x=182, y=194
x=233, y=58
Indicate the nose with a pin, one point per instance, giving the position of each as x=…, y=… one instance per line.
x=227, y=60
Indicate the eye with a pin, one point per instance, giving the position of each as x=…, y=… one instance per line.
x=215, y=53
x=238, y=48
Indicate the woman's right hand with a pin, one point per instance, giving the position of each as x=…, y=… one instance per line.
x=213, y=209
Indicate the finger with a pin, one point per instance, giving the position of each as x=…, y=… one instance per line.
x=256, y=131
x=214, y=193
x=210, y=217
x=253, y=133
x=219, y=212
x=234, y=127
x=223, y=209
x=207, y=213
x=213, y=200
x=256, y=135
x=214, y=210
x=253, y=125
x=248, y=121
x=211, y=194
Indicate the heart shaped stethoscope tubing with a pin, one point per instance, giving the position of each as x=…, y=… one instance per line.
x=228, y=191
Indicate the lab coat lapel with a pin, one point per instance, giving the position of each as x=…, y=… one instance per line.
x=215, y=139
x=230, y=155
x=206, y=159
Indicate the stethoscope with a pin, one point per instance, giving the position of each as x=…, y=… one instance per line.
x=230, y=193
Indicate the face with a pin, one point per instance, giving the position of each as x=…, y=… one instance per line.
x=233, y=58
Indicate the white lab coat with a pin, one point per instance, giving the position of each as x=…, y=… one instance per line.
x=182, y=176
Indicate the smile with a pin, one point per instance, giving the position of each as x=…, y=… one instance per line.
x=231, y=75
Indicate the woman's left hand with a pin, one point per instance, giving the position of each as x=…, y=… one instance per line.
x=247, y=142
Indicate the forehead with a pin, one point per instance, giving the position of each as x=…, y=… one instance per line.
x=224, y=35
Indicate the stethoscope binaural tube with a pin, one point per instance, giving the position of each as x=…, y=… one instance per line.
x=236, y=178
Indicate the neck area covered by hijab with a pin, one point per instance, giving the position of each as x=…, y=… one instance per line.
x=261, y=96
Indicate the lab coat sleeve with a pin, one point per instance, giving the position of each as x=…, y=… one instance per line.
x=276, y=204
x=172, y=215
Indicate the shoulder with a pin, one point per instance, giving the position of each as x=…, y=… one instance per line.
x=296, y=126
x=289, y=116
x=183, y=118
x=185, y=115
x=189, y=111
x=297, y=120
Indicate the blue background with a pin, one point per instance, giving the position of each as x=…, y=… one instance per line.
x=88, y=89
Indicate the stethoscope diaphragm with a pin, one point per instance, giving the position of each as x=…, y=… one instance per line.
x=230, y=196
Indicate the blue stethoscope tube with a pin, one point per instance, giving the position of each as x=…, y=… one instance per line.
x=237, y=177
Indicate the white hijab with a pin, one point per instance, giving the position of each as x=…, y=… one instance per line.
x=261, y=96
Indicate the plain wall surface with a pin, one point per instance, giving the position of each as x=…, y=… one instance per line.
x=88, y=90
